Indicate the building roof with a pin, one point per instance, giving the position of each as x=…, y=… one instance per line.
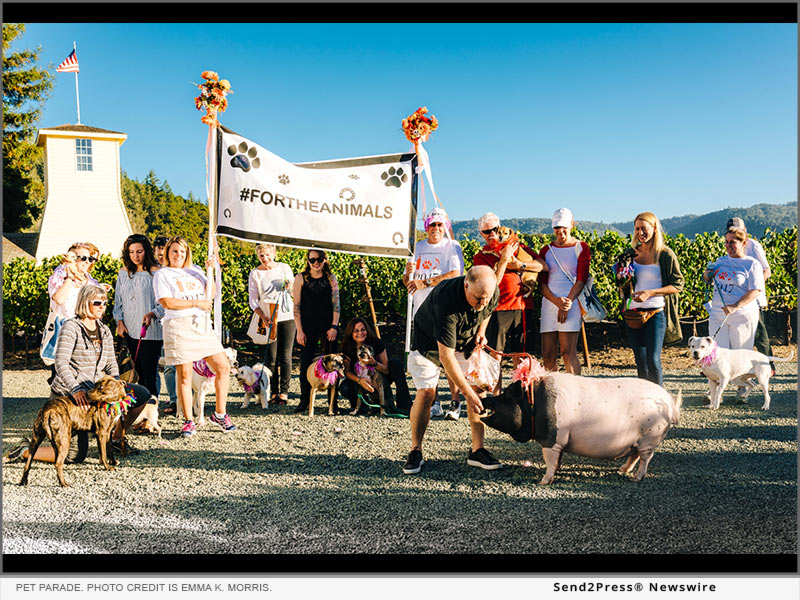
x=20, y=244
x=67, y=129
x=81, y=129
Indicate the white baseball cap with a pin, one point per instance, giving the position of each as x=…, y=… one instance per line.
x=562, y=218
x=437, y=215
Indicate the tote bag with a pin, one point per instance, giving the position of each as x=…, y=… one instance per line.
x=47, y=350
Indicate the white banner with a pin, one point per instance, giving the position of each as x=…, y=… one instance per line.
x=364, y=205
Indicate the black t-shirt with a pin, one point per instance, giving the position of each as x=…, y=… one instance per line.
x=445, y=316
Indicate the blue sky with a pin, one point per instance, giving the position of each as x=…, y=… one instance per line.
x=606, y=119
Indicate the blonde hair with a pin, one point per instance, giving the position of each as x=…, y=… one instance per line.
x=86, y=296
x=266, y=247
x=658, y=237
x=739, y=234
x=178, y=240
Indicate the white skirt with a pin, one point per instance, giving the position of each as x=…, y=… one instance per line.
x=187, y=339
x=549, y=321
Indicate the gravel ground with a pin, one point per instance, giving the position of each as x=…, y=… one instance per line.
x=722, y=482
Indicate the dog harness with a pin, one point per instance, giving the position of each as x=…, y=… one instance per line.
x=252, y=389
x=364, y=371
x=711, y=356
x=328, y=377
x=201, y=368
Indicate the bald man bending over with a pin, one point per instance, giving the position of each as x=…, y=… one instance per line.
x=448, y=325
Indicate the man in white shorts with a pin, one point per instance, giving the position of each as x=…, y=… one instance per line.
x=436, y=259
x=448, y=326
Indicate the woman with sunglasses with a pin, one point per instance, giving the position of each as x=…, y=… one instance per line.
x=316, y=315
x=84, y=355
x=135, y=307
x=68, y=279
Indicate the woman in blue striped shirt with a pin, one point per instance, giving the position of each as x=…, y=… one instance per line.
x=135, y=307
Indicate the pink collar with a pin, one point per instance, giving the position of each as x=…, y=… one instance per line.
x=711, y=356
x=328, y=377
x=201, y=368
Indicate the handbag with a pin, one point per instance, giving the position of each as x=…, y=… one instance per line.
x=635, y=318
x=47, y=349
x=257, y=331
x=592, y=310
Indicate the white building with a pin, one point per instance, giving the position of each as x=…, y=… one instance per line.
x=83, y=198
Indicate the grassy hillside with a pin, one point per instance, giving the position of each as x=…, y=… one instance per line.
x=757, y=218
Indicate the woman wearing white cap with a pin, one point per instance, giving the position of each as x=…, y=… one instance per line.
x=567, y=261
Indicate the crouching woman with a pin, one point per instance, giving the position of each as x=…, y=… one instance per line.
x=84, y=355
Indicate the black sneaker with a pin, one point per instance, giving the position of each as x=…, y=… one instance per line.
x=481, y=458
x=117, y=445
x=414, y=462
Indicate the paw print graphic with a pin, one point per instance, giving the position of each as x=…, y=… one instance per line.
x=246, y=159
x=353, y=176
x=426, y=265
x=394, y=178
x=284, y=179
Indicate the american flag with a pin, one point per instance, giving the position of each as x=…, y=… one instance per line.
x=70, y=64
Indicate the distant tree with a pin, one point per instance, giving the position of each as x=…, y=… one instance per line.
x=25, y=89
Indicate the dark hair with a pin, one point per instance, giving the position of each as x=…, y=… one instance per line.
x=149, y=258
x=160, y=241
x=348, y=344
x=326, y=267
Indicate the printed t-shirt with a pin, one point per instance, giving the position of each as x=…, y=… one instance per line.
x=447, y=317
x=184, y=284
x=266, y=284
x=432, y=260
x=735, y=277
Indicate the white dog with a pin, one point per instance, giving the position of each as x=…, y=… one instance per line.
x=203, y=384
x=255, y=381
x=148, y=418
x=723, y=366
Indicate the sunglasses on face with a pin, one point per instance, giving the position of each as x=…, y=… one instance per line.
x=313, y=261
x=440, y=225
x=490, y=231
x=99, y=302
x=91, y=259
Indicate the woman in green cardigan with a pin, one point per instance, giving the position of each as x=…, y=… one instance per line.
x=657, y=283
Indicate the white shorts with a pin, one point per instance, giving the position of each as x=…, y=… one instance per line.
x=738, y=332
x=549, y=322
x=187, y=339
x=425, y=373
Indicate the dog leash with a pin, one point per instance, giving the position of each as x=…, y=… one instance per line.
x=719, y=291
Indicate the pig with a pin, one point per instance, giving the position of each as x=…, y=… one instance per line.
x=599, y=418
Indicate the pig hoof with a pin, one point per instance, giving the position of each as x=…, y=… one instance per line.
x=546, y=481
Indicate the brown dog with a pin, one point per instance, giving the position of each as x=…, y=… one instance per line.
x=365, y=368
x=507, y=236
x=323, y=374
x=59, y=416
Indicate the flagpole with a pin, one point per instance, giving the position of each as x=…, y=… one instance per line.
x=77, y=95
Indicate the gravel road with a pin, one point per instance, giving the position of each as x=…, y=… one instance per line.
x=722, y=482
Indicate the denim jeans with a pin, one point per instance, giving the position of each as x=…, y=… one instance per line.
x=646, y=344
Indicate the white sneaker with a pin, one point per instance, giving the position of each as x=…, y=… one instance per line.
x=454, y=413
x=436, y=410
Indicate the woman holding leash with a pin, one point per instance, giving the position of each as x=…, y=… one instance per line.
x=737, y=281
x=85, y=354
x=657, y=281
x=315, y=292
x=180, y=287
x=567, y=271
x=136, y=309
x=268, y=285
x=358, y=333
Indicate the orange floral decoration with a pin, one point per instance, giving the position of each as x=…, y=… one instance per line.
x=212, y=96
x=418, y=127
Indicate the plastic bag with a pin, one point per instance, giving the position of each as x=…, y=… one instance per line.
x=483, y=370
